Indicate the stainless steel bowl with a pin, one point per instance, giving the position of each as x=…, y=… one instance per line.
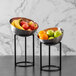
x=21, y=32
x=55, y=40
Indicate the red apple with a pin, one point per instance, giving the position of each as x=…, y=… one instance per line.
x=23, y=22
x=25, y=26
x=32, y=26
x=31, y=22
x=29, y=29
x=35, y=26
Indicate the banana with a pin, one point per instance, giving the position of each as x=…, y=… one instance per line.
x=13, y=23
x=16, y=23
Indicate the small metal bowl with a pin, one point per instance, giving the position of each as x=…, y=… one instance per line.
x=19, y=31
x=53, y=41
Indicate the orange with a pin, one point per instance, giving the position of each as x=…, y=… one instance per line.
x=41, y=32
x=43, y=36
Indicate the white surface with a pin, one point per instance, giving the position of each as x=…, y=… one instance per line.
x=47, y=13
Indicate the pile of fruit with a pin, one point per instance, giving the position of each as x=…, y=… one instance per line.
x=24, y=25
x=49, y=34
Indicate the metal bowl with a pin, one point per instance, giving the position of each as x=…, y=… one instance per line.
x=19, y=31
x=53, y=41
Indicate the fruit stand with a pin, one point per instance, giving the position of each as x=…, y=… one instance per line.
x=50, y=37
x=23, y=27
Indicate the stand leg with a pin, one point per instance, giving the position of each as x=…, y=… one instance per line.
x=40, y=56
x=15, y=49
x=49, y=57
x=33, y=50
x=25, y=52
x=60, y=55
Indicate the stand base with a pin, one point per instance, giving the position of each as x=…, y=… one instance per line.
x=23, y=64
x=51, y=68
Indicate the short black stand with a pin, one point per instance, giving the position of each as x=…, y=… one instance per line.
x=26, y=63
x=49, y=66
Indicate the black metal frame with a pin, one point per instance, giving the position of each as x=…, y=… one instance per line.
x=43, y=68
x=27, y=63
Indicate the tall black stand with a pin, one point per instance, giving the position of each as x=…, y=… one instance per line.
x=49, y=66
x=26, y=63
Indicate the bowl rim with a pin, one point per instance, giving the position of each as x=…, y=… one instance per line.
x=22, y=18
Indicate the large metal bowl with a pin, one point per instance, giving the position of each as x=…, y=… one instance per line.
x=53, y=41
x=19, y=31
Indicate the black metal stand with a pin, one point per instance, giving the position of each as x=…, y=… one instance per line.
x=43, y=68
x=27, y=63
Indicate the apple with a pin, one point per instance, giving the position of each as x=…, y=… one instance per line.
x=29, y=29
x=57, y=33
x=50, y=33
x=35, y=26
x=23, y=22
x=32, y=26
x=25, y=26
x=51, y=38
x=31, y=22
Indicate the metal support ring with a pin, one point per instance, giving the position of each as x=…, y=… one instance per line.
x=28, y=64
